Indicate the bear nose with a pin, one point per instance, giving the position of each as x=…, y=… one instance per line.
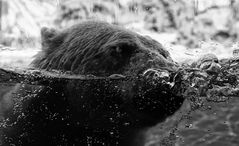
x=211, y=67
x=152, y=73
x=214, y=68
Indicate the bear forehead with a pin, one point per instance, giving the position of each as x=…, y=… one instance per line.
x=102, y=33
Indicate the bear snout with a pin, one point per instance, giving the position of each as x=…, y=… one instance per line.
x=156, y=74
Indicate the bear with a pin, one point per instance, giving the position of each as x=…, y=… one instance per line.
x=94, y=112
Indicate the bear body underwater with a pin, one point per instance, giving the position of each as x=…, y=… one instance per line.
x=92, y=112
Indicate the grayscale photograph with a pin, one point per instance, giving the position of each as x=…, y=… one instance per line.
x=119, y=72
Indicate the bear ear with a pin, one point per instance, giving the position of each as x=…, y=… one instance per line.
x=47, y=35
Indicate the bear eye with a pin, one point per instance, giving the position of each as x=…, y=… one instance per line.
x=123, y=50
x=127, y=50
x=118, y=50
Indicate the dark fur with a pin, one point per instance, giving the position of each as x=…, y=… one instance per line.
x=101, y=112
x=98, y=48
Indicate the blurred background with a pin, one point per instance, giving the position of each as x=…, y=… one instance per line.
x=185, y=27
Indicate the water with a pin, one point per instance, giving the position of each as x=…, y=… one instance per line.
x=217, y=124
x=214, y=124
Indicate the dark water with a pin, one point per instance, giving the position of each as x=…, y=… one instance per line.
x=215, y=124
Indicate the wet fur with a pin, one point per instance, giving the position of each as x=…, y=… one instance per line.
x=96, y=48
